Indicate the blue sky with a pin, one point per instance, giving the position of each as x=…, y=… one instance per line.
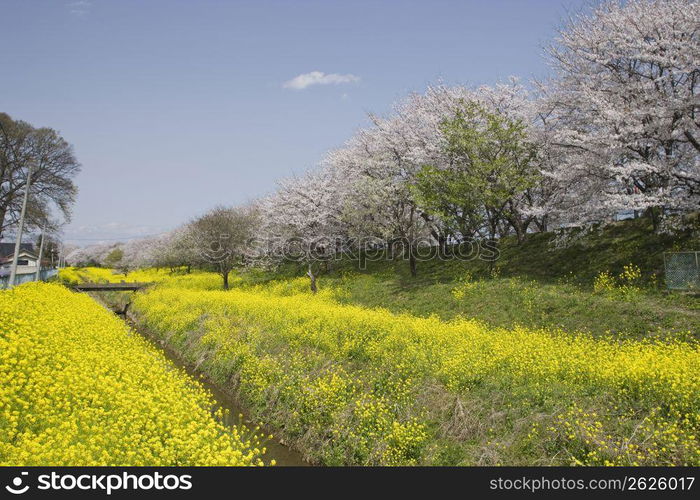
x=175, y=106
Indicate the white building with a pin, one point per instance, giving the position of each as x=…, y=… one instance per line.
x=27, y=263
x=27, y=260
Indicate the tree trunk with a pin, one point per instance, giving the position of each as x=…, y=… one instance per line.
x=492, y=245
x=312, y=277
x=3, y=211
x=412, y=263
x=224, y=274
x=442, y=246
x=654, y=216
x=517, y=226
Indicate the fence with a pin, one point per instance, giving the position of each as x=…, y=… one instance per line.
x=682, y=270
x=26, y=278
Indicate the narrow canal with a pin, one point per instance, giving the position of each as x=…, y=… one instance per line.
x=282, y=454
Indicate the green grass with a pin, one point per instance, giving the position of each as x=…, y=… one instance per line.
x=513, y=301
x=545, y=282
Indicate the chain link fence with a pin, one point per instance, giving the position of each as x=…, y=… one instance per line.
x=682, y=270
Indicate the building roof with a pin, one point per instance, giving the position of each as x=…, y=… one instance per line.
x=8, y=249
x=22, y=252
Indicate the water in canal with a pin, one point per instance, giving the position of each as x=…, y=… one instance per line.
x=282, y=454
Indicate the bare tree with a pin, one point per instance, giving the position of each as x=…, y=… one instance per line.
x=222, y=236
x=53, y=168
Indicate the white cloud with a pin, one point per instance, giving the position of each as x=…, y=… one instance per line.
x=79, y=8
x=305, y=80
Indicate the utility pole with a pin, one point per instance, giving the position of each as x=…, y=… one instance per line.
x=41, y=251
x=61, y=259
x=20, y=228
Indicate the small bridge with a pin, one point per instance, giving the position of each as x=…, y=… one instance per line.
x=111, y=287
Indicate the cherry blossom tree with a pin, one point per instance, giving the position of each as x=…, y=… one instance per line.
x=303, y=220
x=176, y=249
x=91, y=255
x=625, y=100
x=382, y=162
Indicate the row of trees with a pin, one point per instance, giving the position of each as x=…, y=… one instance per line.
x=615, y=129
x=220, y=240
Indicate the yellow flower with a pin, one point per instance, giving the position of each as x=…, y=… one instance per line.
x=80, y=388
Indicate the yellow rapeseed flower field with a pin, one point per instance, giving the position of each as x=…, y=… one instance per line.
x=74, y=275
x=79, y=387
x=373, y=387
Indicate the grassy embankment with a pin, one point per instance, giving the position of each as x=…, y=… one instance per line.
x=546, y=282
